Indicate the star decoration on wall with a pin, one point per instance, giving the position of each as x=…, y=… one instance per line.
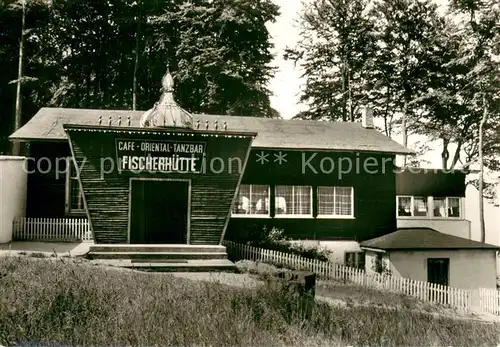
x=262, y=157
x=280, y=158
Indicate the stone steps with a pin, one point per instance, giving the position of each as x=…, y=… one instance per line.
x=156, y=248
x=162, y=257
x=144, y=255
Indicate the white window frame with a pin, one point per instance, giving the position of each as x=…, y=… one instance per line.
x=70, y=169
x=250, y=215
x=335, y=216
x=447, y=206
x=284, y=215
x=430, y=207
x=412, y=207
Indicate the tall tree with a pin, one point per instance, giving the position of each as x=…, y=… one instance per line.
x=16, y=77
x=17, y=116
x=405, y=58
x=454, y=106
x=113, y=53
x=223, y=58
x=336, y=44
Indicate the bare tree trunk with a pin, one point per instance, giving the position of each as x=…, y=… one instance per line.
x=404, y=131
x=16, y=148
x=136, y=68
x=351, y=116
x=445, y=154
x=481, y=172
x=386, y=123
x=138, y=33
x=456, y=156
x=344, y=108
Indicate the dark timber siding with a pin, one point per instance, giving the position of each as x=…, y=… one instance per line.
x=374, y=194
x=107, y=196
x=429, y=182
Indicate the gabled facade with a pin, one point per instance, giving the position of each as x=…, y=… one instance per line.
x=319, y=181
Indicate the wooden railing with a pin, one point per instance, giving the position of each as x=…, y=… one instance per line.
x=470, y=300
x=51, y=229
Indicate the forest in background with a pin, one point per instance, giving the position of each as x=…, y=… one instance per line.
x=424, y=72
x=112, y=54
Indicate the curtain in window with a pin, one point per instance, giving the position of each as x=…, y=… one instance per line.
x=420, y=206
x=453, y=207
x=326, y=201
x=439, y=207
x=252, y=199
x=293, y=200
x=335, y=201
x=343, y=200
x=404, y=206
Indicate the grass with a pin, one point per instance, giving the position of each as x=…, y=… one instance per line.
x=355, y=295
x=58, y=301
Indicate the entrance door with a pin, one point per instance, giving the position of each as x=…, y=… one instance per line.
x=159, y=211
x=438, y=270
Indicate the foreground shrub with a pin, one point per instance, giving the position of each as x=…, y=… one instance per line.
x=51, y=301
x=276, y=240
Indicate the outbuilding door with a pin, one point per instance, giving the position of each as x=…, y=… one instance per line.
x=438, y=271
x=159, y=211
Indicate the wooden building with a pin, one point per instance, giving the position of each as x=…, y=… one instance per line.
x=315, y=180
x=433, y=198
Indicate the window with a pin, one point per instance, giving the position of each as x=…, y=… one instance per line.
x=409, y=206
x=438, y=270
x=74, y=195
x=252, y=200
x=355, y=259
x=404, y=206
x=419, y=207
x=453, y=207
x=335, y=201
x=446, y=207
x=293, y=201
x=440, y=207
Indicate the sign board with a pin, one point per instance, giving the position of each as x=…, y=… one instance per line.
x=154, y=156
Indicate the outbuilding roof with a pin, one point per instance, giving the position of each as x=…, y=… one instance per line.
x=47, y=124
x=423, y=239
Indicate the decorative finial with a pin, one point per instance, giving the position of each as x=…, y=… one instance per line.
x=206, y=124
x=216, y=124
x=225, y=125
x=167, y=82
x=100, y=120
x=197, y=124
x=128, y=120
x=119, y=120
x=109, y=121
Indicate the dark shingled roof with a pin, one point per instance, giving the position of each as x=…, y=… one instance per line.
x=423, y=238
x=272, y=133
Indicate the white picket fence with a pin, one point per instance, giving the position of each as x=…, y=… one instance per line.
x=51, y=229
x=470, y=300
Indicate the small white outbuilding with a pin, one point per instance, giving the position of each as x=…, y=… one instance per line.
x=424, y=254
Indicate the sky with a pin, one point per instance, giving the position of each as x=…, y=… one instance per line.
x=287, y=82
